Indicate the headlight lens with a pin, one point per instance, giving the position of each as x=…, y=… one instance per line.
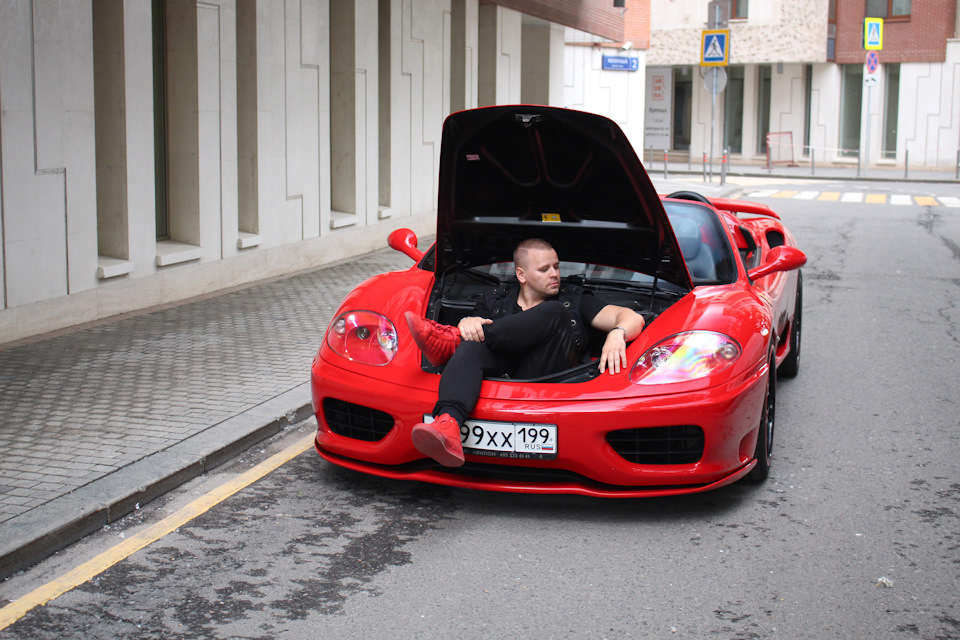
x=363, y=336
x=685, y=356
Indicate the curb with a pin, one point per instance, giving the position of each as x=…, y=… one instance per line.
x=798, y=176
x=43, y=531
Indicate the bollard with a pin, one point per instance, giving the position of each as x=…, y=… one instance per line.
x=690, y=158
x=858, y=163
x=704, y=166
x=723, y=168
x=665, y=156
x=956, y=172
x=906, y=163
x=813, y=161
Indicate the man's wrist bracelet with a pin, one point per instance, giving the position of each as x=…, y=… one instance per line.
x=621, y=329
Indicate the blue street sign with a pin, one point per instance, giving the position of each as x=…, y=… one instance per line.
x=714, y=49
x=621, y=63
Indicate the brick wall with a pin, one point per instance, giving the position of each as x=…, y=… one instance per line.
x=922, y=38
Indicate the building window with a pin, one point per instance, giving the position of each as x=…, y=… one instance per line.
x=682, y=107
x=160, y=118
x=891, y=109
x=739, y=8
x=733, y=110
x=764, y=80
x=851, y=100
x=889, y=9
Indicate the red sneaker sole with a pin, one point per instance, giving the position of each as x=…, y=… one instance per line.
x=432, y=445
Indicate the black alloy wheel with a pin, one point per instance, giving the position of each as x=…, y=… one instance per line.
x=790, y=366
x=764, y=450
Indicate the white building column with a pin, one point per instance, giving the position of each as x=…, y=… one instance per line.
x=500, y=42
x=49, y=242
x=542, y=69
x=354, y=102
x=464, y=54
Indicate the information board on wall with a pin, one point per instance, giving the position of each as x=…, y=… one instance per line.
x=659, y=108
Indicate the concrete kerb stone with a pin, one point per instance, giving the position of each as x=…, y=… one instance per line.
x=48, y=528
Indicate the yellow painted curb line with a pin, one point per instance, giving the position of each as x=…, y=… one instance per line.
x=97, y=565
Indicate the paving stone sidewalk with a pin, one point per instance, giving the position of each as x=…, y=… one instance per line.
x=82, y=407
x=96, y=420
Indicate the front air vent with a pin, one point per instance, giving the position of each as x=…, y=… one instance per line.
x=356, y=421
x=682, y=444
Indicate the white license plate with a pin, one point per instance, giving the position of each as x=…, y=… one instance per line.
x=520, y=440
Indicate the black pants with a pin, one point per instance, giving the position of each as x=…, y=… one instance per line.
x=529, y=344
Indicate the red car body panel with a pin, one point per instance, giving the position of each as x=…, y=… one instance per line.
x=728, y=406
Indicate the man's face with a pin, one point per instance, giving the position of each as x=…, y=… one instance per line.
x=540, y=272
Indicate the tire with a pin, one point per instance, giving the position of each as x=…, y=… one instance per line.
x=790, y=366
x=764, y=451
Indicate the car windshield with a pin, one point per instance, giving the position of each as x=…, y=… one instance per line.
x=506, y=271
x=703, y=243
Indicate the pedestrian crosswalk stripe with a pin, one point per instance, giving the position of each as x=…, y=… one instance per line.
x=854, y=196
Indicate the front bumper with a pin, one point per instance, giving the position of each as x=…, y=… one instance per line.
x=586, y=463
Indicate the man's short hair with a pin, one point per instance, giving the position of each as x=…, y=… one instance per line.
x=520, y=253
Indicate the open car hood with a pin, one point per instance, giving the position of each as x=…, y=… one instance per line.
x=568, y=177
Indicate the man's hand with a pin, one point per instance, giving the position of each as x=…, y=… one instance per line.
x=614, y=353
x=471, y=328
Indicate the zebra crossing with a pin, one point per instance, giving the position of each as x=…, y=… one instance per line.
x=856, y=196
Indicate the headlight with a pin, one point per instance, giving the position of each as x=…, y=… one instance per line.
x=684, y=357
x=363, y=336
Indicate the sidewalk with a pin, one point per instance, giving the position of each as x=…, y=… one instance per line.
x=683, y=170
x=98, y=420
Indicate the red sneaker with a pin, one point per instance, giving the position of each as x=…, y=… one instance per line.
x=436, y=341
x=439, y=440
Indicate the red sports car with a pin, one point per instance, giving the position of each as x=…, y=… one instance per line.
x=717, y=282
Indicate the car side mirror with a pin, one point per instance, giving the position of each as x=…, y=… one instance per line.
x=405, y=241
x=782, y=258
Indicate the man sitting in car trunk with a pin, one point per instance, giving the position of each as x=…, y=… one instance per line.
x=522, y=331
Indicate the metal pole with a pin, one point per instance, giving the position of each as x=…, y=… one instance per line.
x=813, y=161
x=906, y=164
x=858, y=161
x=665, y=153
x=713, y=108
x=866, y=159
x=956, y=173
x=703, y=165
x=723, y=167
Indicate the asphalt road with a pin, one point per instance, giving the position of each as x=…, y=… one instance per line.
x=856, y=534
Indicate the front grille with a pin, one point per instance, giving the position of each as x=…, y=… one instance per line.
x=356, y=421
x=682, y=444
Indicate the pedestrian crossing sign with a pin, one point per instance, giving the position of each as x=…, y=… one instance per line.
x=715, y=48
x=873, y=34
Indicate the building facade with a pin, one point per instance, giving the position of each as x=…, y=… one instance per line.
x=155, y=151
x=796, y=69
